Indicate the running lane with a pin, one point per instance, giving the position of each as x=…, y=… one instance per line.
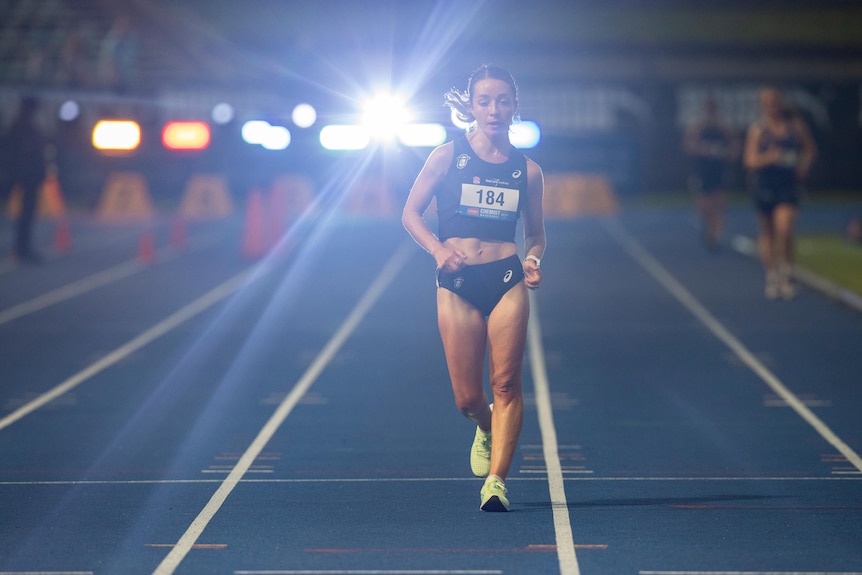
x=305, y=424
x=685, y=460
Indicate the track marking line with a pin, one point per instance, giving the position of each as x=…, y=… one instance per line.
x=87, y=284
x=748, y=247
x=749, y=573
x=196, y=545
x=368, y=299
x=173, y=321
x=562, y=523
x=532, y=548
x=46, y=572
x=96, y=482
x=665, y=279
x=373, y=572
x=71, y=290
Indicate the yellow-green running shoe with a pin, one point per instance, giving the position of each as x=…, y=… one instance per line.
x=480, y=453
x=493, y=495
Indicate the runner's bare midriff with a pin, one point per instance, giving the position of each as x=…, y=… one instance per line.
x=481, y=251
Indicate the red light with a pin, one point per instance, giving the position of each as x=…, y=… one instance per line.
x=186, y=135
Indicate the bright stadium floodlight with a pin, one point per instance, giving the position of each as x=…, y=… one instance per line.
x=344, y=137
x=186, y=135
x=116, y=135
x=422, y=135
x=304, y=115
x=525, y=134
x=384, y=115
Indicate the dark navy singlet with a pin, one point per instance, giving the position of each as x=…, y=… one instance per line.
x=783, y=174
x=478, y=199
x=710, y=166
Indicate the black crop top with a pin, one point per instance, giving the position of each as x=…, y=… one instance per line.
x=478, y=199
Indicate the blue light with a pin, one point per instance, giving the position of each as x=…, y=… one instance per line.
x=222, y=113
x=69, y=110
x=525, y=134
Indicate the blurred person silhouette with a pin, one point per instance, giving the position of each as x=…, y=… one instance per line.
x=74, y=61
x=23, y=157
x=854, y=230
x=712, y=146
x=117, y=57
x=779, y=153
x=483, y=185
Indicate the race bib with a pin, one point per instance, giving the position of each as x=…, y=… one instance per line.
x=489, y=202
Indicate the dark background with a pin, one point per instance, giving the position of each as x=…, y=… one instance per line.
x=612, y=84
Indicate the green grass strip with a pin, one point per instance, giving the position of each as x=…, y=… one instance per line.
x=833, y=258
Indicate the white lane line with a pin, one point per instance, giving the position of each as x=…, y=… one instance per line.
x=562, y=525
x=176, y=319
x=71, y=290
x=375, y=290
x=748, y=247
x=749, y=573
x=90, y=283
x=46, y=573
x=418, y=480
x=663, y=277
x=373, y=572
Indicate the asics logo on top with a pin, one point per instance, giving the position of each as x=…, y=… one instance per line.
x=516, y=174
x=507, y=277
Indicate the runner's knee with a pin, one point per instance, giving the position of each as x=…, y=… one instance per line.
x=506, y=388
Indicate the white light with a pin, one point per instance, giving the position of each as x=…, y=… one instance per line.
x=422, y=135
x=222, y=113
x=384, y=115
x=276, y=138
x=344, y=137
x=304, y=115
x=254, y=131
x=116, y=135
x=69, y=110
x=265, y=134
x=525, y=134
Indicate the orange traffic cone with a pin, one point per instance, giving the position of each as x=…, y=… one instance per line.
x=254, y=240
x=147, y=247
x=63, y=237
x=178, y=233
x=51, y=201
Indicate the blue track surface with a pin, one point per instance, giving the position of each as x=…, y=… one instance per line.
x=210, y=414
